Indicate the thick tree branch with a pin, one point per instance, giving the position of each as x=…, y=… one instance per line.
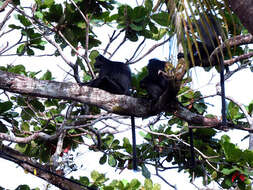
x=244, y=10
x=235, y=41
x=118, y=104
x=27, y=164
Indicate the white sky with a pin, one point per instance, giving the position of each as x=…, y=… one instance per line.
x=238, y=87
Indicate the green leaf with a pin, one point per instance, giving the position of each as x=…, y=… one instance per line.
x=135, y=184
x=39, y=15
x=98, y=178
x=5, y=106
x=13, y=26
x=148, y=5
x=232, y=153
x=84, y=180
x=200, y=107
x=19, y=69
x=21, y=49
x=145, y=172
x=111, y=161
x=23, y=187
x=21, y=147
x=27, y=114
x=109, y=139
x=103, y=159
x=47, y=76
x=248, y=156
x=37, y=105
x=161, y=18
x=233, y=109
x=156, y=187
x=93, y=55
x=24, y=20
x=115, y=144
x=148, y=184
x=127, y=145
x=227, y=182
x=29, y=51
x=3, y=128
x=136, y=27
x=152, y=27
x=25, y=126
x=227, y=171
x=138, y=14
x=48, y=3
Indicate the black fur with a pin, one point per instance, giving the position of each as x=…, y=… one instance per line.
x=156, y=84
x=208, y=31
x=114, y=77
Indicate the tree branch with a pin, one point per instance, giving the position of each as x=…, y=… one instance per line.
x=40, y=170
x=118, y=104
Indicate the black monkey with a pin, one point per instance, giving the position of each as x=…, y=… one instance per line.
x=115, y=77
x=209, y=31
x=156, y=84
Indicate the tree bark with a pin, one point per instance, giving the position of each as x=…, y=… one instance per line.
x=244, y=10
x=118, y=104
x=27, y=164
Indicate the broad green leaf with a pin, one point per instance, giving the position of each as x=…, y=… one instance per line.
x=152, y=27
x=127, y=145
x=29, y=51
x=156, y=186
x=103, y=159
x=112, y=161
x=232, y=153
x=136, y=27
x=115, y=144
x=23, y=187
x=161, y=18
x=21, y=49
x=25, y=126
x=24, y=20
x=5, y=106
x=27, y=114
x=21, y=147
x=84, y=180
x=138, y=14
x=19, y=69
x=3, y=128
x=160, y=34
x=148, y=184
x=109, y=139
x=39, y=15
x=200, y=107
x=13, y=26
x=227, y=171
x=94, y=175
x=47, y=76
x=135, y=184
x=148, y=5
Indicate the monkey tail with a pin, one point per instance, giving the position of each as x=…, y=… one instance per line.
x=134, y=144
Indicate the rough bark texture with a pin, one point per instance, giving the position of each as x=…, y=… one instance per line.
x=22, y=160
x=118, y=104
x=244, y=10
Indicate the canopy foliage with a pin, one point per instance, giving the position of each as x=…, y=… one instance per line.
x=47, y=121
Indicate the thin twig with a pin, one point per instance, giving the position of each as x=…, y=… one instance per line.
x=111, y=39
x=123, y=41
x=151, y=49
x=142, y=42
